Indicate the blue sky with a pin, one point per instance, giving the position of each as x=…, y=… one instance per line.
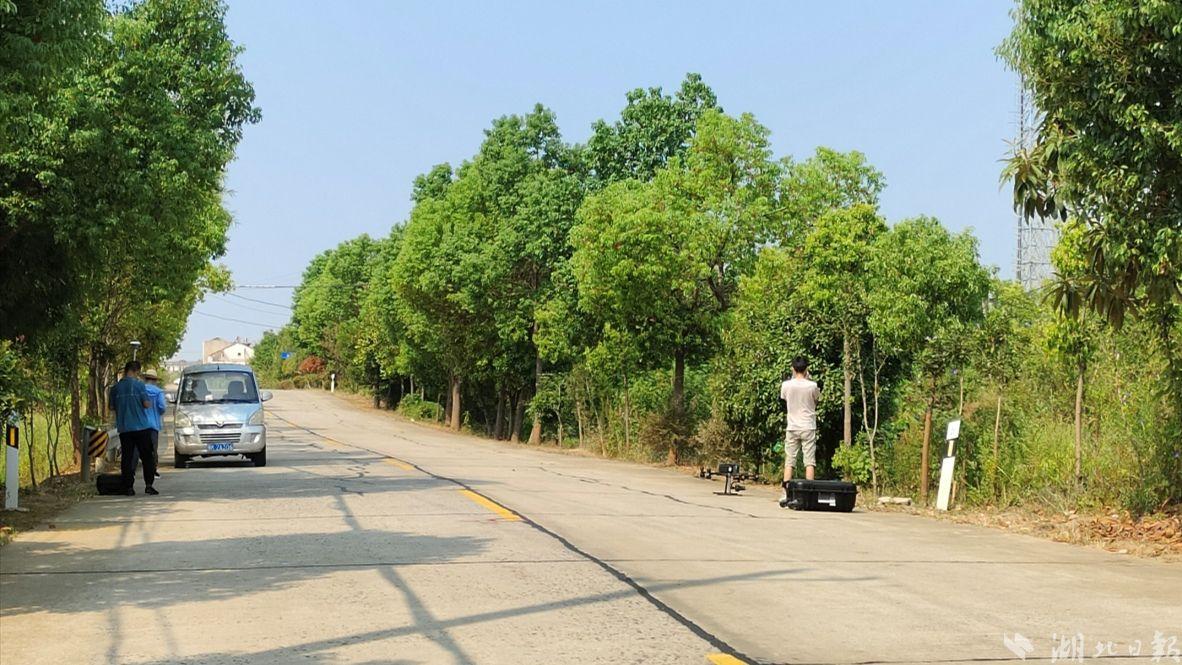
x=359, y=97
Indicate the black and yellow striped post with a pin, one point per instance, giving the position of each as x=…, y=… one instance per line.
x=96, y=443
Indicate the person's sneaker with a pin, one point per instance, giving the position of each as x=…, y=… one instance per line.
x=130, y=492
x=157, y=474
x=151, y=490
x=784, y=496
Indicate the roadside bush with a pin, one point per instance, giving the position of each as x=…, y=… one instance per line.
x=416, y=408
x=665, y=435
x=715, y=442
x=854, y=463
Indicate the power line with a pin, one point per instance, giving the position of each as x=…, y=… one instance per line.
x=253, y=309
x=264, y=286
x=261, y=302
x=226, y=318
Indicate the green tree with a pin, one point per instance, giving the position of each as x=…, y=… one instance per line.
x=829, y=180
x=1005, y=335
x=834, y=285
x=929, y=291
x=45, y=46
x=1105, y=77
x=327, y=304
x=653, y=128
x=660, y=261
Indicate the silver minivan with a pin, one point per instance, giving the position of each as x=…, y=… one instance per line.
x=219, y=412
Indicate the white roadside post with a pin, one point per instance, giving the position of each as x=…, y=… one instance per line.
x=948, y=466
x=12, y=461
x=333, y=385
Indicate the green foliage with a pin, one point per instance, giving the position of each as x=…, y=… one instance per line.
x=116, y=126
x=853, y=462
x=661, y=260
x=642, y=296
x=827, y=181
x=652, y=129
x=415, y=408
x=1106, y=77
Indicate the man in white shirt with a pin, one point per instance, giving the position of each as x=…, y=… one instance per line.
x=800, y=395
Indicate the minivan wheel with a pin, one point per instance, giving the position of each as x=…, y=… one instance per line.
x=259, y=458
x=180, y=461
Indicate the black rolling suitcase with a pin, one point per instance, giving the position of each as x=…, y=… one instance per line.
x=834, y=495
x=110, y=483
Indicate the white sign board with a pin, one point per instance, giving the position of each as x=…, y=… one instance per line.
x=947, y=467
x=953, y=430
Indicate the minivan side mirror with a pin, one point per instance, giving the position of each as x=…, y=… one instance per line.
x=265, y=395
x=170, y=395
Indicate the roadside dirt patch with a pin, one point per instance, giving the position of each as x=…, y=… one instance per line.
x=50, y=498
x=1154, y=536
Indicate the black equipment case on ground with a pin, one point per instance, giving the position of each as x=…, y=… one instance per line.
x=833, y=495
x=110, y=483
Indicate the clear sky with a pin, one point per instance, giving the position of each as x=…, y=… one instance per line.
x=359, y=97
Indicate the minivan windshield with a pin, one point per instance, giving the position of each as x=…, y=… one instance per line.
x=217, y=387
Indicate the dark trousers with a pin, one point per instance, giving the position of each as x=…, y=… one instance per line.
x=155, y=450
x=137, y=444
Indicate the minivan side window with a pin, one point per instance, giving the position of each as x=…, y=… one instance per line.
x=218, y=387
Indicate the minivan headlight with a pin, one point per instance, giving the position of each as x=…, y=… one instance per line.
x=256, y=418
x=183, y=420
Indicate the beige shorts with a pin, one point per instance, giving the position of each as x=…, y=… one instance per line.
x=794, y=440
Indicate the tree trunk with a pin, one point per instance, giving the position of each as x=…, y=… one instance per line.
x=1079, y=398
x=579, y=418
x=499, y=420
x=678, y=401
x=870, y=429
x=535, y=432
x=627, y=415
x=30, y=439
x=996, y=438
x=559, y=415
x=847, y=431
x=455, y=403
x=960, y=404
x=93, y=389
x=923, y=457
x=518, y=417
x=80, y=455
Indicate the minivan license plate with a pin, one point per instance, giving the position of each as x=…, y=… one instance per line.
x=217, y=447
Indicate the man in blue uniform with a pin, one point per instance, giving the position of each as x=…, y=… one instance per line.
x=154, y=412
x=130, y=401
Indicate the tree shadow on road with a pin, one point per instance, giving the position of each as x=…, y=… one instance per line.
x=165, y=573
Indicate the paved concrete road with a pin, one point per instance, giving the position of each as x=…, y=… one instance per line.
x=370, y=540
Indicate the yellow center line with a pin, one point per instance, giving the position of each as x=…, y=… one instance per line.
x=492, y=505
x=393, y=461
x=724, y=659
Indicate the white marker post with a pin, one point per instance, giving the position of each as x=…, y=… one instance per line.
x=948, y=466
x=333, y=386
x=12, y=465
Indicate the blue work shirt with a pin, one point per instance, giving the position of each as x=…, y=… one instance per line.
x=157, y=408
x=127, y=400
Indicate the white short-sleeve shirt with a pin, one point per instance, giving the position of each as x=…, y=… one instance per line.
x=801, y=396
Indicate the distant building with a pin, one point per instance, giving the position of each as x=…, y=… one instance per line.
x=218, y=350
x=176, y=365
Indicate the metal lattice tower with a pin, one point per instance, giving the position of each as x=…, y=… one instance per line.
x=1036, y=236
